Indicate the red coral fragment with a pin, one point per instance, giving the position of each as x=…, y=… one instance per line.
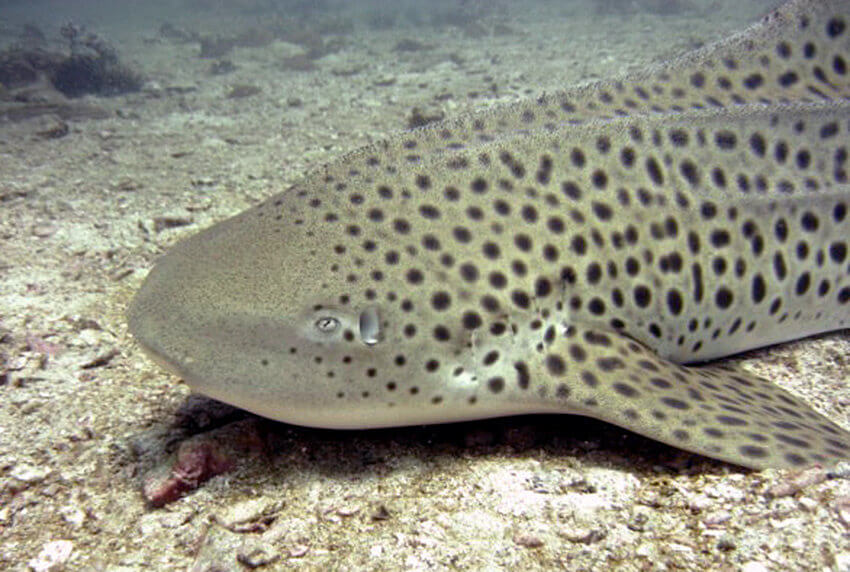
x=197, y=461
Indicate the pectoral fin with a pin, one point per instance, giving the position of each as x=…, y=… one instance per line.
x=711, y=409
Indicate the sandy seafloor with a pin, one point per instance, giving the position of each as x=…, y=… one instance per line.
x=86, y=418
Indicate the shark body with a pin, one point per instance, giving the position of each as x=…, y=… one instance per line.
x=582, y=253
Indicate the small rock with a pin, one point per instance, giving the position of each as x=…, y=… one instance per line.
x=385, y=81
x=381, y=513
x=795, y=482
x=42, y=230
x=528, y=540
x=29, y=474
x=54, y=128
x=197, y=462
x=842, y=562
x=347, y=511
x=180, y=89
x=53, y=556
x=717, y=518
x=161, y=223
x=410, y=45
x=754, y=566
x=726, y=491
x=638, y=522
x=73, y=515
x=100, y=359
x=199, y=204
x=244, y=516
x=841, y=471
x=808, y=504
x=582, y=535
x=254, y=554
x=842, y=509
x=218, y=551
x=726, y=543
x=700, y=503
x=222, y=67
x=298, y=550
x=418, y=117
x=242, y=90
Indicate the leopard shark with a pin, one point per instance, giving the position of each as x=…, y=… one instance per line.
x=592, y=252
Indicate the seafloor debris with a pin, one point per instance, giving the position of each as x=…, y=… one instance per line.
x=196, y=462
x=201, y=458
x=411, y=45
x=214, y=47
x=419, y=117
x=92, y=68
x=222, y=67
x=54, y=128
x=177, y=35
x=21, y=67
x=241, y=90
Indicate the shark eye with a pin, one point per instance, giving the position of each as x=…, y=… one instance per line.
x=370, y=327
x=327, y=324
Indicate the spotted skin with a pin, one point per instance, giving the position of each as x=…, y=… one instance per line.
x=567, y=255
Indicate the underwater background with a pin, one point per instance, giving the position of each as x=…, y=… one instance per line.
x=125, y=126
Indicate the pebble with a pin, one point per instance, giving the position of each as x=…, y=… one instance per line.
x=254, y=554
x=638, y=522
x=726, y=543
x=29, y=474
x=700, y=503
x=298, y=550
x=381, y=513
x=73, y=515
x=217, y=551
x=842, y=509
x=197, y=461
x=725, y=491
x=754, y=566
x=347, y=511
x=717, y=518
x=842, y=562
x=808, y=504
x=385, y=81
x=841, y=471
x=528, y=540
x=53, y=128
x=162, y=223
x=153, y=522
x=582, y=535
x=52, y=557
x=797, y=482
x=246, y=512
x=43, y=230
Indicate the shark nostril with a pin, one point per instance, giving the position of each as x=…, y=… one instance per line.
x=370, y=327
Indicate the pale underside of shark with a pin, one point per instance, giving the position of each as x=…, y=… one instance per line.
x=565, y=255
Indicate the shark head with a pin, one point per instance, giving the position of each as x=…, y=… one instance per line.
x=290, y=312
